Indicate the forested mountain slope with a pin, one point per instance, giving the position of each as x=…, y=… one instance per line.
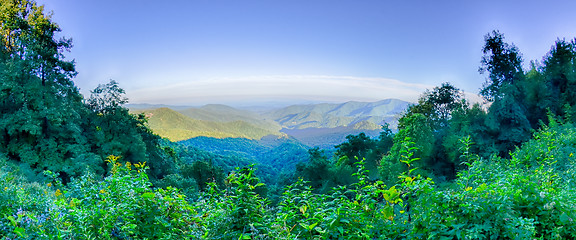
x=176, y=126
x=321, y=125
x=280, y=153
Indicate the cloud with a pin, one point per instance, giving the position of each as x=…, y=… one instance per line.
x=297, y=88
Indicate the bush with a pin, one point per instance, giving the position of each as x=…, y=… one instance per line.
x=124, y=206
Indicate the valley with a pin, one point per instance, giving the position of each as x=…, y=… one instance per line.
x=315, y=125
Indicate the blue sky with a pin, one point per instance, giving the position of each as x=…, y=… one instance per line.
x=245, y=52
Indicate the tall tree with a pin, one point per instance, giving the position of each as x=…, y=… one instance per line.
x=507, y=116
x=44, y=123
x=502, y=61
x=560, y=73
x=40, y=108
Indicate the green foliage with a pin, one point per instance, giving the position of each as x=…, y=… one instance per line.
x=531, y=195
x=203, y=173
x=276, y=159
x=414, y=128
x=467, y=123
x=124, y=206
x=365, y=210
x=507, y=121
x=503, y=62
x=120, y=206
x=356, y=147
x=40, y=108
x=240, y=211
x=318, y=171
x=49, y=135
x=26, y=208
x=560, y=77
x=438, y=105
x=44, y=124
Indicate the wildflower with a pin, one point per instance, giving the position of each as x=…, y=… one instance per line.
x=58, y=192
x=129, y=165
x=5, y=188
x=102, y=191
x=549, y=205
x=49, y=184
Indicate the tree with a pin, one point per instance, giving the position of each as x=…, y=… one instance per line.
x=356, y=147
x=40, y=108
x=415, y=127
x=107, y=98
x=507, y=121
x=437, y=105
x=317, y=171
x=538, y=97
x=467, y=122
x=427, y=124
x=502, y=61
x=44, y=123
x=507, y=118
x=204, y=172
x=114, y=131
x=560, y=73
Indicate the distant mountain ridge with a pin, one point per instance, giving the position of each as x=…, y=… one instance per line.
x=313, y=124
x=328, y=115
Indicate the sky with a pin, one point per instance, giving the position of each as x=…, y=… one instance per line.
x=256, y=52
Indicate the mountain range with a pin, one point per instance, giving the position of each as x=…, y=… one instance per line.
x=312, y=124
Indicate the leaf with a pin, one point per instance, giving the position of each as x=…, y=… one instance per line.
x=148, y=195
x=388, y=212
x=245, y=237
x=312, y=226
x=21, y=232
x=12, y=220
x=564, y=218
x=303, y=209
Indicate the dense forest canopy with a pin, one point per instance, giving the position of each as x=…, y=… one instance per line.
x=45, y=122
x=86, y=168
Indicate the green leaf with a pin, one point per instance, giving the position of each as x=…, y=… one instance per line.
x=148, y=195
x=245, y=237
x=564, y=218
x=312, y=226
x=12, y=220
x=21, y=232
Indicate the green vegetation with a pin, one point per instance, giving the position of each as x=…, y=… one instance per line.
x=176, y=126
x=74, y=168
x=316, y=125
x=44, y=122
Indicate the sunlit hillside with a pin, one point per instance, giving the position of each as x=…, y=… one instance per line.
x=176, y=126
